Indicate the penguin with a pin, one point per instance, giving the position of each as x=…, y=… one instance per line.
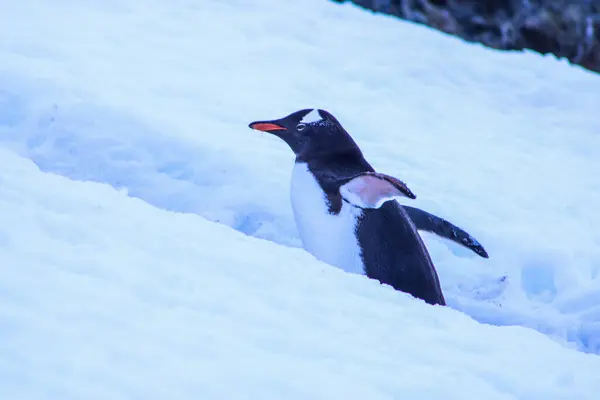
x=431, y=223
x=345, y=211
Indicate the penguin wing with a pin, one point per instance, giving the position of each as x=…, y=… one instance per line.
x=425, y=221
x=372, y=189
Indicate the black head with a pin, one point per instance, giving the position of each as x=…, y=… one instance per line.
x=310, y=133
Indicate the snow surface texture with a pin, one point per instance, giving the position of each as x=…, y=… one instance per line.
x=120, y=289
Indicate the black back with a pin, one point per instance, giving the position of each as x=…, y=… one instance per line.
x=394, y=253
x=392, y=250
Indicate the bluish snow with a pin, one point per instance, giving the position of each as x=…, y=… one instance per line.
x=147, y=245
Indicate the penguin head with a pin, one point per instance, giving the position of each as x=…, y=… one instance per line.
x=310, y=133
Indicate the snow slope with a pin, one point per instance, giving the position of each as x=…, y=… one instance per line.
x=105, y=296
x=126, y=290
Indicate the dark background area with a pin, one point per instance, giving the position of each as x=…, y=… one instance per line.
x=566, y=29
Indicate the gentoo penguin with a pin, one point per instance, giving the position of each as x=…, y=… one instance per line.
x=343, y=211
x=427, y=222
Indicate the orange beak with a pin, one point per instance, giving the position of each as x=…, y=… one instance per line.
x=266, y=126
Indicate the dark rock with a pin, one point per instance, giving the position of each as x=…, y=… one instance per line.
x=565, y=28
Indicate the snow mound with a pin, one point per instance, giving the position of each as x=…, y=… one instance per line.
x=106, y=296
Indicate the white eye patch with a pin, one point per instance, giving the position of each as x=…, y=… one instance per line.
x=312, y=116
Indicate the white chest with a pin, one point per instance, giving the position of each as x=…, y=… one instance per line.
x=330, y=238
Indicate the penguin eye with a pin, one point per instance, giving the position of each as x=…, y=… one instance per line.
x=300, y=127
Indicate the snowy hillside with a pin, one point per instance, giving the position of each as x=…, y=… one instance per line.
x=147, y=246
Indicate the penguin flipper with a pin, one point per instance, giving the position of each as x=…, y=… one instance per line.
x=425, y=221
x=372, y=189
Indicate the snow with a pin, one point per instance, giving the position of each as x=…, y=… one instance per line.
x=147, y=244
